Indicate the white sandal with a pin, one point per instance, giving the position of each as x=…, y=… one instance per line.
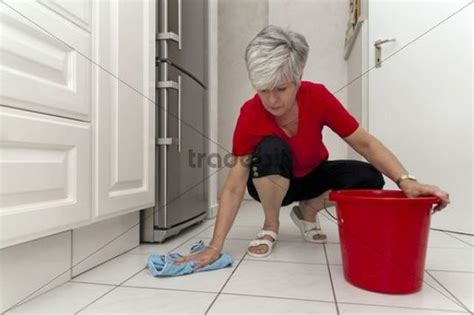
x=308, y=229
x=257, y=242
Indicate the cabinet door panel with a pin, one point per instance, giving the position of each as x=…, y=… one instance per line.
x=44, y=64
x=124, y=106
x=45, y=167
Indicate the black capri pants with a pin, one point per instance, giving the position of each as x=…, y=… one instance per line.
x=273, y=157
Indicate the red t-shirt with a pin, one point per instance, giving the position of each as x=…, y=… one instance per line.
x=317, y=108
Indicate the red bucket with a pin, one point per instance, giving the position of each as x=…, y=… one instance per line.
x=383, y=236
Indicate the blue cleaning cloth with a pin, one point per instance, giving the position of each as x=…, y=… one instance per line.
x=164, y=266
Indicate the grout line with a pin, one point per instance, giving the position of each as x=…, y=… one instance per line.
x=87, y=305
x=279, y=240
x=93, y=283
x=121, y=284
x=456, y=271
x=459, y=239
x=403, y=307
x=330, y=278
x=72, y=254
x=167, y=289
x=345, y=303
x=279, y=298
x=190, y=238
x=284, y=262
x=96, y=266
x=450, y=293
x=223, y=286
x=115, y=287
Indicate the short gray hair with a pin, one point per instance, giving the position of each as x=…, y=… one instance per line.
x=274, y=56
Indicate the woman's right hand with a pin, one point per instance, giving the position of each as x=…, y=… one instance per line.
x=203, y=258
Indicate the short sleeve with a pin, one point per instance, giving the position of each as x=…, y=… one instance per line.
x=243, y=140
x=336, y=116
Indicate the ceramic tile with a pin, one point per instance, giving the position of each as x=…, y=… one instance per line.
x=466, y=238
x=234, y=248
x=428, y=297
x=114, y=271
x=334, y=254
x=458, y=283
x=443, y=240
x=236, y=304
x=289, y=280
x=350, y=309
x=453, y=259
x=150, y=301
x=298, y=252
x=65, y=299
x=207, y=281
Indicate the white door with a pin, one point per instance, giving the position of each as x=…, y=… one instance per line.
x=124, y=112
x=420, y=100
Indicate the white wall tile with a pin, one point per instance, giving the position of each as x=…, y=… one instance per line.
x=27, y=267
x=91, y=245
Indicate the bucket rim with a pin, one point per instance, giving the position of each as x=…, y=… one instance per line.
x=339, y=195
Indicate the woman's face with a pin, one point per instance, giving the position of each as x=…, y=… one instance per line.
x=280, y=100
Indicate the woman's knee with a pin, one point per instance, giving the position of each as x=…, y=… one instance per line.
x=272, y=156
x=373, y=178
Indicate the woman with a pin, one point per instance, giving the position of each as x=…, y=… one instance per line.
x=279, y=154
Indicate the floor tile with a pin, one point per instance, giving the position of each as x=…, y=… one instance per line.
x=334, y=254
x=236, y=232
x=329, y=227
x=174, y=241
x=234, y=248
x=458, y=283
x=428, y=297
x=466, y=238
x=277, y=279
x=298, y=252
x=443, y=240
x=237, y=304
x=150, y=301
x=250, y=214
x=207, y=281
x=66, y=299
x=453, y=259
x=349, y=309
x=114, y=271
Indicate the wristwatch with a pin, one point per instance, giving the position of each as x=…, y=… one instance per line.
x=404, y=177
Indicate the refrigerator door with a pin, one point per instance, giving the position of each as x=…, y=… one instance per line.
x=186, y=26
x=181, y=172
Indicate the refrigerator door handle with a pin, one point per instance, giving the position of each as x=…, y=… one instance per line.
x=180, y=24
x=179, y=112
x=176, y=86
x=171, y=35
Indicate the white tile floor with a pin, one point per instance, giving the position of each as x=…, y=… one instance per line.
x=298, y=278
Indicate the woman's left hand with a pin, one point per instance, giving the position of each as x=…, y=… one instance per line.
x=416, y=189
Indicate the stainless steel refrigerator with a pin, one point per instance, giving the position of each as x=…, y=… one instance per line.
x=180, y=96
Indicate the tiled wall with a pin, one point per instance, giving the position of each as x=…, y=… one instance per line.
x=31, y=268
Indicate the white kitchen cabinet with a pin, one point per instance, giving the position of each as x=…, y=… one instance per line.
x=43, y=64
x=124, y=110
x=45, y=175
x=76, y=143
